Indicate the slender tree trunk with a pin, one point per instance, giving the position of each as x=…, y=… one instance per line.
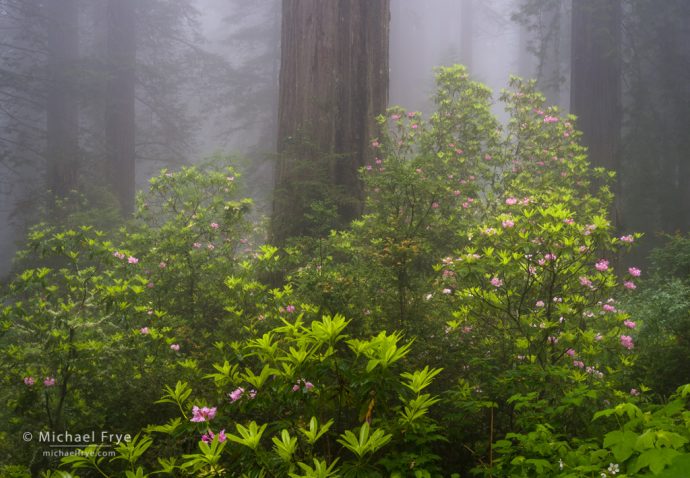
x=62, y=108
x=333, y=83
x=595, y=92
x=119, y=115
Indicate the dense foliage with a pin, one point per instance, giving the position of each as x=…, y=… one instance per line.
x=472, y=322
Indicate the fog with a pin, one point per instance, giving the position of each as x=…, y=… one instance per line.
x=207, y=82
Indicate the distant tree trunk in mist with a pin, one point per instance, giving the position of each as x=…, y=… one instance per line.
x=333, y=83
x=62, y=107
x=466, y=32
x=595, y=91
x=119, y=108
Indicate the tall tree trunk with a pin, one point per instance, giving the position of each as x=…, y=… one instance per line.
x=62, y=108
x=466, y=32
x=595, y=91
x=119, y=115
x=333, y=83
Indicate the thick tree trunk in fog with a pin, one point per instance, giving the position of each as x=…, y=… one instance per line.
x=119, y=115
x=595, y=91
x=62, y=108
x=466, y=32
x=333, y=83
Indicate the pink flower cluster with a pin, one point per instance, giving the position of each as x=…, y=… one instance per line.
x=301, y=383
x=203, y=414
x=627, y=342
x=209, y=436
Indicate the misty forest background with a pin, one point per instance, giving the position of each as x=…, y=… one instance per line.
x=98, y=96
x=452, y=287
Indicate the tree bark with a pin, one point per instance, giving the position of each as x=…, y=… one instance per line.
x=467, y=33
x=333, y=83
x=62, y=105
x=119, y=109
x=595, y=91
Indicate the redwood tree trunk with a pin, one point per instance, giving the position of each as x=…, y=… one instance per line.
x=595, y=91
x=62, y=107
x=119, y=114
x=467, y=33
x=333, y=83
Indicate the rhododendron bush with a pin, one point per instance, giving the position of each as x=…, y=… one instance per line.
x=475, y=320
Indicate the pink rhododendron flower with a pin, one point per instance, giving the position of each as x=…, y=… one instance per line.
x=202, y=414
x=550, y=119
x=629, y=285
x=162, y=265
x=508, y=223
x=496, y=282
x=375, y=144
x=634, y=392
x=49, y=381
x=629, y=324
x=210, y=247
x=236, y=394
x=579, y=363
x=196, y=245
x=302, y=383
x=569, y=221
x=434, y=205
x=150, y=285
x=589, y=229
x=550, y=257
x=487, y=157
x=209, y=436
x=175, y=347
x=585, y=281
x=552, y=340
x=446, y=291
x=29, y=381
x=602, y=265
x=540, y=303
x=570, y=352
x=634, y=271
x=132, y=260
x=627, y=342
x=395, y=117
x=629, y=238
x=119, y=255
x=214, y=225
x=290, y=309
x=598, y=337
x=252, y=393
x=144, y=331
x=456, y=193
x=511, y=201
x=608, y=308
